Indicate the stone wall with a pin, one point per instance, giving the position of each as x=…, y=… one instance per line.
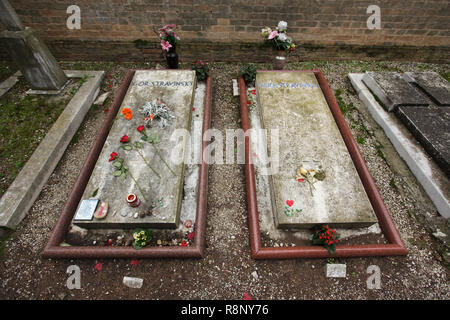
x=229, y=30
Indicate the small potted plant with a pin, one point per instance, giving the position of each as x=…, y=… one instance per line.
x=201, y=69
x=280, y=41
x=169, y=40
x=248, y=72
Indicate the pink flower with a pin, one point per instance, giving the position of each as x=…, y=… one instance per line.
x=168, y=26
x=272, y=34
x=165, y=45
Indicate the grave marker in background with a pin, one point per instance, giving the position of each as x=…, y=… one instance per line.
x=29, y=53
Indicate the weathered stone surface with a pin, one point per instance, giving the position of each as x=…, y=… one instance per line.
x=34, y=59
x=293, y=103
x=335, y=270
x=8, y=84
x=9, y=17
x=176, y=89
x=392, y=90
x=133, y=282
x=19, y=197
x=435, y=183
x=431, y=127
x=433, y=84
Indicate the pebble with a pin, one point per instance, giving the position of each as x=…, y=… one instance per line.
x=136, y=215
x=255, y=275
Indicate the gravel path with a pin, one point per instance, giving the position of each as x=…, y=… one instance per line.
x=227, y=271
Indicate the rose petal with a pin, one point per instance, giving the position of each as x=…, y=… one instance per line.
x=135, y=262
x=98, y=266
x=247, y=296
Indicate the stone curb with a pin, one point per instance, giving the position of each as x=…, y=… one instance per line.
x=430, y=176
x=27, y=186
x=8, y=83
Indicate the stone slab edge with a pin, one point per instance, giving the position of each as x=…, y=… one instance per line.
x=430, y=176
x=8, y=83
x=27, y=186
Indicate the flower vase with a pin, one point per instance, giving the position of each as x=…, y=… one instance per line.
x=172, y=58
x=280, y=60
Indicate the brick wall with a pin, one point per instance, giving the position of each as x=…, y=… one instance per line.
x=229, y=30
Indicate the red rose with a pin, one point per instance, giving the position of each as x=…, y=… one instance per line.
x=140, y=128
x=254, y=91
x=184, y=243
x=124, y=139
x=190, y=236
x=113, y=156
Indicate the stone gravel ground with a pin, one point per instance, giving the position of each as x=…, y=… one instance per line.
x=227, y=270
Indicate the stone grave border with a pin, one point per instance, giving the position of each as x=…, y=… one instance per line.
x=395, y=246
x=53, y=248
x=24, y=190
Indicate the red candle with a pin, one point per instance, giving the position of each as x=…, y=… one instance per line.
x=133, y=200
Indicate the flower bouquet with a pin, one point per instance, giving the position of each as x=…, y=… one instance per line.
x=169, y=41
x=280, y=41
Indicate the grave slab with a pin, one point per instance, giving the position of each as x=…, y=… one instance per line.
x=392, y=90
x=435, y=183
x=431, y=127
x=433, y=84
x=293, y=103
x=176, y=89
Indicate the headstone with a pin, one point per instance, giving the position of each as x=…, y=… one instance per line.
x=29, y=53
x=392, y=90
x=335, y=270
x=35, y=61
x=431, y=127
x=9, y=18
x=161, y=194
x=293, y=103
x=433, y=84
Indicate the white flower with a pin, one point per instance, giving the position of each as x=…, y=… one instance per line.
x=266, y=31
x=282, y=36
x=282, y=25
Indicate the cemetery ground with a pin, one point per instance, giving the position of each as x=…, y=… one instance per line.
x=227, y=270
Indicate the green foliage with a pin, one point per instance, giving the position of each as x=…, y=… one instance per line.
x=201, y=69
x=345, y=109
x=445, y=75
x=142, y=237
x=248, y=72
x=392, y=184
x=120, y=170
x=23, y=124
